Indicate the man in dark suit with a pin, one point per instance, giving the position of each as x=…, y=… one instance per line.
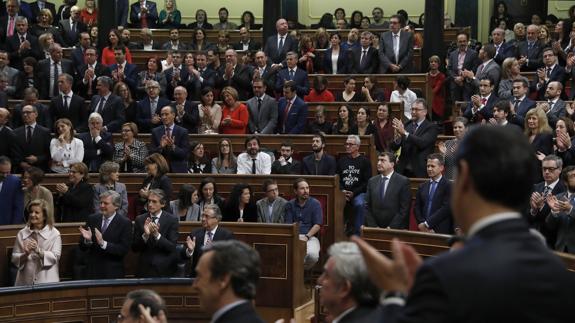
x=106, y=239
x=530, y=51
x=365, y=59
x=388, y=196
x=463, y=58
x=78, y=54
x=503, y=49
x=175, y=43
x=36, y=6
x=30, y=97
x=11, y=195
x=8, y=14
x=175, y=75
x=229, y=290
x=246, y=43
x=144, y=14
x=89, y=73
x=396, y=48
x=263, y=70
x=319, y=162
x=21, y=44
x=68, y=104
x=551, y=71
x=207, y=76
x=31, y=142
x=481, y=105
x=49, y=70
x=209, y=232
x=71, y=28
x=432, y=209
x=98, y=146
x=555, y=107
x=155, y=238
x=292, y=113
x=294, y=74
x=416, y=140
x=187, y=114
x=263, y=110
x=123, y=71
x=521, y=103
x=286, y=163
x=6, y=135
x=347, y=294
x=148, y=109
x=500, y=260
x=108, y=105
x=552, y=185
x=122, y=12
x=236, y=75
x=171, y=141
x=562, y=213
x=279, y=44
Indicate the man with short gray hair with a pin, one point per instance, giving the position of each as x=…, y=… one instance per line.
x=98, y=146
x=108, y=105
x=106, y=239
x=205, y=236
x=50, y=69
x=346, y=292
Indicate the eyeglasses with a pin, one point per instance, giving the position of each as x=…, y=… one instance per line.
x=350, y=144
x=550, y=169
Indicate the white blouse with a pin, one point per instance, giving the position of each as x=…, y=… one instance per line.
x=66, y=153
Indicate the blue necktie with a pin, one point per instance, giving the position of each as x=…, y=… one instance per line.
x=430, y=198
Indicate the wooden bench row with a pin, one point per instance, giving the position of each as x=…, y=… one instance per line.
x=279, y=247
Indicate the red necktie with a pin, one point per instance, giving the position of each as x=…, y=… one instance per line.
x=143, y=20
x=286, y=114
x=168, y=133
x=483, y=101
x=11, y=27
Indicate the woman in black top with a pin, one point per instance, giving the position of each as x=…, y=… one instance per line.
x=198, y=163
x=240, y=206
x=156, y=167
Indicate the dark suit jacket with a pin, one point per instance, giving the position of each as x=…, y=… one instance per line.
x=525, y=105
x=39, y=146
x=15, y=56
x=242, y=313
x=393, y=210
x=360, y=314
x=269, y=77
x=177, y=157
x=485, y=113
x=233, y=214
x=130, y=75
x=158, y=258
x=44, y=117
x=70, y=36
x=44, y=75
x=387, y=56
x=220, y=235
x=538, y=219
x=205, y=25
x=342, y=62
x=36, y=10
x=7, y=142
x=505, y=262
x=371, y=61
x=296, y=119
x=152, y=16
x=77, y=57
x=440, y=218
x=535, y=56
x=12, y=201
x=143, y=113
x=91, y=157
x=208, y=77
x=113, y=111
x=470, y=62
x=505, y=50
x=82, y=88
x=327, y=165
x=107, y=263
x=122, y=12
x=557, y=74
x=415, y=148
x=77, y=203
x=564, y=224
x=271, y=48
x=241, y=80
x=557, y=111
x=300, y=78
x=265, y=119
x=77, y=111
x=191, y=118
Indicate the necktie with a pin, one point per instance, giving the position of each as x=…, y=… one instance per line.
x=291, y=73
x=497, y=49
x=55, y=84
x=253, y=166
x=210, y=239
x=480, y=69
x=41, y=5
x=11, y=27
x=483, y=101
x=415, y=127
x=66, y=103
x=259, y=106
x=396, y=47
x=281, y=44
x=548, y=72
x=529, y=46
x=270, y=212
x=153, y=106
x=143, y=20
x=28, y=134
x=22, y=39
x=101, y=105
x=430, y=198
x=286, y=114
x=362, y=59
x=155, y=219
x=546, y=191
x=168, y=132
x=550, y=106
x=382, y=183
x=516, y=105
x=105, y=224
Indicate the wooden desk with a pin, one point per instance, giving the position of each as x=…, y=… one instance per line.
x=163, y=35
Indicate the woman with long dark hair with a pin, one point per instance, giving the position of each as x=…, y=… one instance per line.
x=114, y=39
x=226, y=161
x=198, y=163
x=208, y=194
x=185, y=207
x=240, y=206
x=345, y=121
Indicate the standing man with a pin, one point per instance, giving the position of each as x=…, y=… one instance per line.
x=263, y=109
x=224, y=24
x=292, y=73
x=354, y=171
x=6, y=135
x=416, y=140
x=155, y=238
x=530, y=51
x=148, y=110
x=271, y=208
x=555, y=107
x=236, y=75
x=254, y=161
x=562, y=213
x=396, y=48
x=388, y=196
x=500, y=260
x=279, y=44
x=10, y=72
x=263, y=70
x=481, y=106
x=144, y=14
x=49, y=70
x=108, y=105
x=347, y=294
x=432, y=209
x=307, y=211
x=206, y=235
x=551, y=71
x=90, y=72
x=69, y=104
x=123, y=71
x=71, y=28
x=521, y=102
x=246, y=43
x=11, y=195
x=226, y=281
x=98, y=146
x=461, y=59
x=319, y=162
x=31, y=142
x=187, y=114
x=292, y=114
x=171, y=141
x=365, y=59
x=122, y=12
x=106, y=239
x=487, y=69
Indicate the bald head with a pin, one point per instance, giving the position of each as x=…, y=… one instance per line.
x=282, y=26
x=497, y=35
x=532, y=32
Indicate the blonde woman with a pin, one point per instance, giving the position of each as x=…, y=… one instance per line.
x=538, y=132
